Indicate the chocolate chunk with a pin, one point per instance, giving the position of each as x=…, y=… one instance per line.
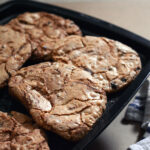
x=88, y=70
x=121, y=54
x=49, y=22
x=123, y=79
x=114, y=86
x=138, y=68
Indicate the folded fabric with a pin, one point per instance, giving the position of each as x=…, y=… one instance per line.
x=147, y=132
x=141, y=145
x=139, y=110
x=146, y=119
x=135, y=110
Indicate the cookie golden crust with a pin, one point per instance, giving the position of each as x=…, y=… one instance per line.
x=60, y=97
x=41, y=27
x=17, y=131
x=111, y=62
x=15, y=50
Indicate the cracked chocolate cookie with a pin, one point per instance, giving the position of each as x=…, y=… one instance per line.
x=111, y=62
x=14, y=52
x=17, y=131
x=42, y=27
x=60, y=97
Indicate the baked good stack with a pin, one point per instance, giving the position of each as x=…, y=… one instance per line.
x=66, y=91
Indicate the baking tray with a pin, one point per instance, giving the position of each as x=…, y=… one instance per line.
x=89, y=26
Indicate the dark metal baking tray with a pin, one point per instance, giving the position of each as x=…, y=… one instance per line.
x=89, y=26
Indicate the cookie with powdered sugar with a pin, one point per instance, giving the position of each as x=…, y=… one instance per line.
x=18, y=131
x=60, y=97
x=15, y=50
x=114, y=64
x=42, y=27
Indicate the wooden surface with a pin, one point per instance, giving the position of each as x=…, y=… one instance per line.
x=132, y=15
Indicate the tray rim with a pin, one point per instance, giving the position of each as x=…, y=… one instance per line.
x=83, y=143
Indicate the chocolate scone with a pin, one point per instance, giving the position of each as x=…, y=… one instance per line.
x=18, y=132
x=42, y=27
x=111, y=62
x=60, y=97
x=15, y=49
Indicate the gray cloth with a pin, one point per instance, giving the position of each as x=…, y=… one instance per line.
x=139, y=110
x=146, y=119
x=135, y=110
x=141, y=145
